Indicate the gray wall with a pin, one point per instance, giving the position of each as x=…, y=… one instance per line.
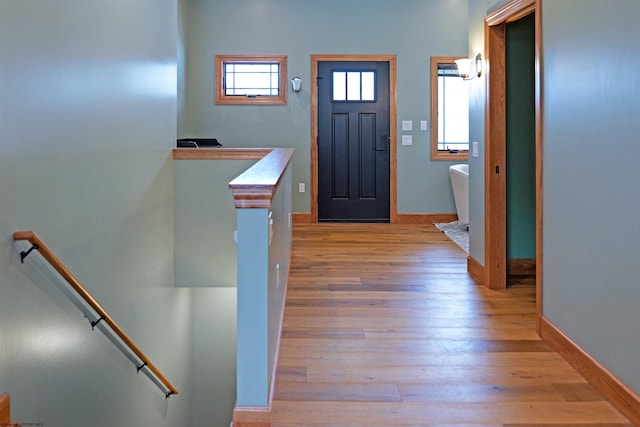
x=87, y=119
x=213, y=359
x=477, y=11
x=591, y=203
x=591, y=229
x=205, y=253
x=414, y=30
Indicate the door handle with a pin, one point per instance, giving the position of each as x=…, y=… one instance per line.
x=383, y=143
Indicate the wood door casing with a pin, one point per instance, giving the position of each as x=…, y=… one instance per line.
x=495, y=142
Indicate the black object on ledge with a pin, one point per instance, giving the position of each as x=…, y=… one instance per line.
x=198, y=143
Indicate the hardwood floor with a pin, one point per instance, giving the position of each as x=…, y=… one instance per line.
x=384, y=327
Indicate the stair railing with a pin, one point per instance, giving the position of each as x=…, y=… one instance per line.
x=141, y=361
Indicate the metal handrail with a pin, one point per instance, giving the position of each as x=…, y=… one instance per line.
x=102, y=314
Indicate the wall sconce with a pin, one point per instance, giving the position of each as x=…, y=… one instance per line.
x=468, y=68
x=296, y=84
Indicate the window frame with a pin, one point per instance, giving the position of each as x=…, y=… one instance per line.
x=222, y=98
x=436, y=154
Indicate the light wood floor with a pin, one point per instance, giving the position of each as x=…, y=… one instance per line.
x=384, y=327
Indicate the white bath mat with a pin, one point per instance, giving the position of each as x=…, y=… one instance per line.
x=457, y=232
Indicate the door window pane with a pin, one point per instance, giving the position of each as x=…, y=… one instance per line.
x=339, y=86
x=368, y=86
x=354, y=86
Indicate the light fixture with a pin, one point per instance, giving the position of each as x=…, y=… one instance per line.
x=296, y=84
x=468, y=68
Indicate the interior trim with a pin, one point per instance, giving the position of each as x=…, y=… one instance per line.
x=521, y=267
x=477, y=271
x=301, y=217
x=424, y=218
x=603, y=380
x=510, y=12
x=250, y=416
x=220, y=153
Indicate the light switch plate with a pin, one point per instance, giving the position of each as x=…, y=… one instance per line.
x=474, y=150
x=407, y=125
x=407, y=140
x=423, y=125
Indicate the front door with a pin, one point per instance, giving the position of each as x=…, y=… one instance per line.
x=353, y=141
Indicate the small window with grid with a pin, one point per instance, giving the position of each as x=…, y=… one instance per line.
x=247, y=79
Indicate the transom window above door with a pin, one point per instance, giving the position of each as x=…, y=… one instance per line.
x=249, y=79
x=354, y=86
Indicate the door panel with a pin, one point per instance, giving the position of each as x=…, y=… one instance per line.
x=367, y=153
x=353, y=147
x=340, y=165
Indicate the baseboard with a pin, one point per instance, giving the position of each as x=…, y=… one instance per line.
x=614, y=390
x=477, y=271
x=521, y=267
x=301, y=217
x=248, y=416
x=424, y=218
x=412, y=218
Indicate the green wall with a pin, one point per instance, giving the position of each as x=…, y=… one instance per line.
x=521, y=138
x=414, y=30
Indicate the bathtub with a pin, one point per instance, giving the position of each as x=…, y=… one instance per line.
x=460, y=183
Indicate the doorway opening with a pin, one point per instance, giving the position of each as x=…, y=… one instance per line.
x=498, y=163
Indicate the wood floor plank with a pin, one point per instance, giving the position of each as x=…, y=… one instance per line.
x=291, y=331
x=578, y=392
x=338, y=392
x=500, y=376
x=334, y=359
x=383, y=326
x=422, y=413
x=478, y=393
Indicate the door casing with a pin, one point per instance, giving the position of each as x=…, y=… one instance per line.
x=393, y=171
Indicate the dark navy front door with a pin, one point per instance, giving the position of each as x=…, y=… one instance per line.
x=353, y=141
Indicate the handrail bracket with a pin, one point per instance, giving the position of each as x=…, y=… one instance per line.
x=94, y=323
x=25, y=254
